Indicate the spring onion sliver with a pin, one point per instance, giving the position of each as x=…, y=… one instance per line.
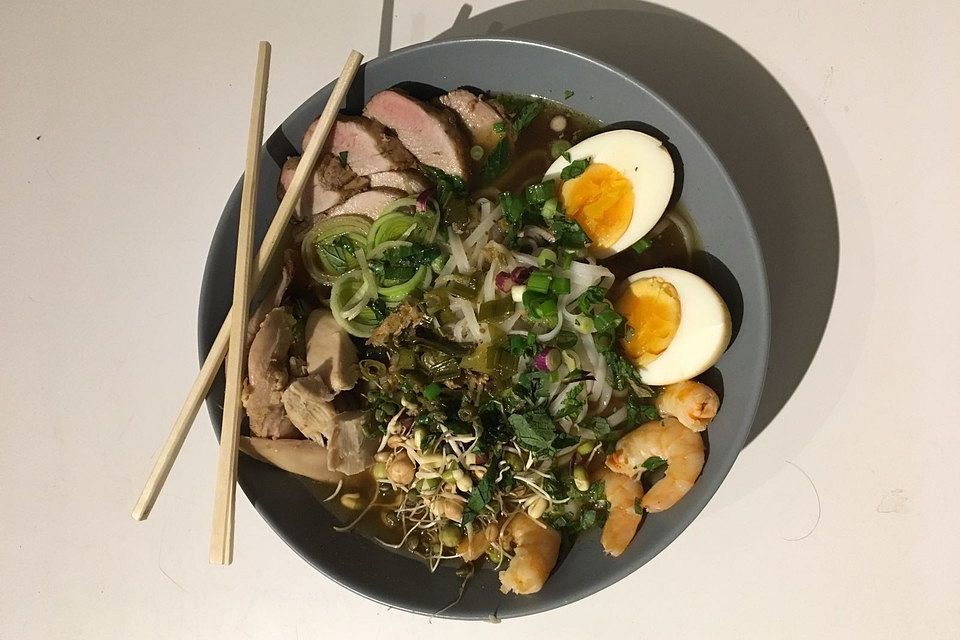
x=560, y=286
x=539, y=282
x=547, y=257
x=343, y=289
x=549, y=209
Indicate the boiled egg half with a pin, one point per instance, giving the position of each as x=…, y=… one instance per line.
x=623, y=191
x=678, y=325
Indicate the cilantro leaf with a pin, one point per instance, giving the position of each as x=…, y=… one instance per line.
x=448, y=187
x=574, y=169
x=568, y=233
x=527, y=114
x=497, y=160
x=567, y=94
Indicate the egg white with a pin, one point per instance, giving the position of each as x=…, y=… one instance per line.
x=644, y=161
x=702, y=336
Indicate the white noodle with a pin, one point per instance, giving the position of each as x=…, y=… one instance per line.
x=458, y=254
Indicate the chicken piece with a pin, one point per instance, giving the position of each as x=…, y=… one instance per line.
x=307, y=402
x=369, y=203
x=274, y=297
x=330, y=184
x=267, y=377
x=349, y=449
x=330, y=352
x=478, y=118
x=369, y=148
x=408, y=181
x=302, y=457
x=431, y=134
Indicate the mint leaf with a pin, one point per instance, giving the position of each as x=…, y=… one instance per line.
x=653, y=462
x=480, y=496
x=534, y=431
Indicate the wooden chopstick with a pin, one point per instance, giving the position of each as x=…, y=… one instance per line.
x=225, y=491
x=271, y=242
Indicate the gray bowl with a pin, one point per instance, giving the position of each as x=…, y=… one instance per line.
x=730, y=260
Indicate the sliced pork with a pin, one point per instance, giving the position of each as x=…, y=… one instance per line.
x=369, y=148
x=478, y=118
x=430, y=133
x=330, y=352
x=330, y=184
x=407, y=181
x=369, y=203
x=267, y=377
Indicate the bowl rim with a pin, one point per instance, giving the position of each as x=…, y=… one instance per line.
x=597, y=582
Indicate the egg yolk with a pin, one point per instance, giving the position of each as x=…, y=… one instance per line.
x=651, y=308
x=601, y=200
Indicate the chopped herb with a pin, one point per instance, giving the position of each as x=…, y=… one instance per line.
x=572, y=404
x=641, y=245
x=480, y=496
x=590, y=297
x=574, y=169
x=497, y=161
x=637, y=507
x=526, y=115
x=567, y=94
x=638, y=412
x=379, y=308
x=534, y=431
x=598, y=425
x=499, y=127
x=450, y=188
x=653, y=462
x=521, y=346
x=568, y=233
x=565, y=155
x=343, y=158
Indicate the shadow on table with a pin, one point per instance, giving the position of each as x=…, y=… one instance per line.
x=754, y=128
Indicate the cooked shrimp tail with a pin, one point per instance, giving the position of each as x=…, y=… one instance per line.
x=536, y=547
x=693, y=403
x=668, y=440
x=623, y=494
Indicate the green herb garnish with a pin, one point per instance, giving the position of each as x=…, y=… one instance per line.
x=526, y=115
x=574, y=169
x=534, y=431
x=653, y=462
x=641, y=245
x=342, y=156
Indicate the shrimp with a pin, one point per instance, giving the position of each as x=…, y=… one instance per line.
x=693, y=403
x=667, y=439
x=623, y=520
x=536, y=549
x=473, y=546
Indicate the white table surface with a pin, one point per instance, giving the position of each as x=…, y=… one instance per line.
x=122, y=133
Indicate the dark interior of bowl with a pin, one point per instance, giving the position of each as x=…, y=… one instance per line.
x=730, y=260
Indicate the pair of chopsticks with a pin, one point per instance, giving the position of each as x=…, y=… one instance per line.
x=247, y=278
